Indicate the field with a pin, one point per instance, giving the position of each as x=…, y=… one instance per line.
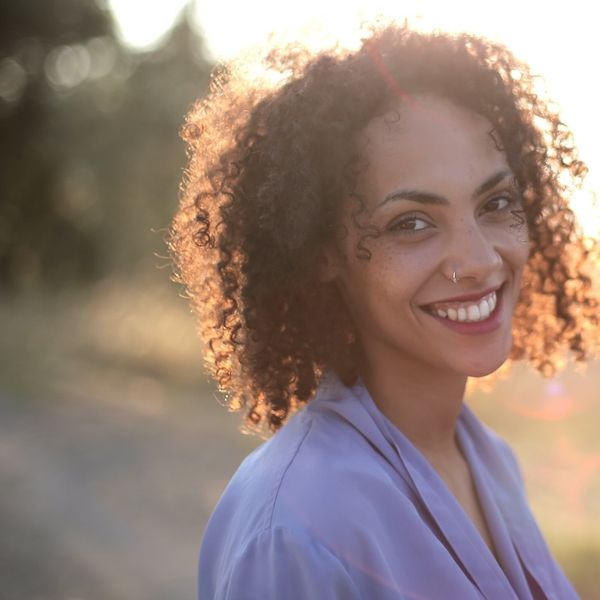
x=114, y=448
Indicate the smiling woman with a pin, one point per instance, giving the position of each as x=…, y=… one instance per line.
x=359, y=239
x=436, y=168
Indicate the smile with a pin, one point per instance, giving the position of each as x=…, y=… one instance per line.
x=471, y=317
x=466, y=312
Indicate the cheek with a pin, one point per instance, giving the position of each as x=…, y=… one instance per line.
x=513, y=243
x=378, y=289
x=520, y=249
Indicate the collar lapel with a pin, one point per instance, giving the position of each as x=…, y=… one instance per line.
x=456, y=530
x=508, y=490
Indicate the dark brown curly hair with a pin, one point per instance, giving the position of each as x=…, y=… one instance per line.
x=272, y=157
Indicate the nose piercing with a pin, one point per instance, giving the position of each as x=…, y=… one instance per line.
x=454, y=277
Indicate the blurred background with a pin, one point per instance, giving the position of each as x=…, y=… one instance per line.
x=113, y=445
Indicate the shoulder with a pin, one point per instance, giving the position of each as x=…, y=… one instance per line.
x=266, y=531
x=311, y=495
x=336, y=474
x=302, y=475
x=282, y=563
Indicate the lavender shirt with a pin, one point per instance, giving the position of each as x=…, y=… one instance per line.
x=340, y=505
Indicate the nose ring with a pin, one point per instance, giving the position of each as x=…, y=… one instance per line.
x=454, y=277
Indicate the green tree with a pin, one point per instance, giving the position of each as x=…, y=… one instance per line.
x=90, y=155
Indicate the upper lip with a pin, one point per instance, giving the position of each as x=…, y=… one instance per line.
x=467, y=297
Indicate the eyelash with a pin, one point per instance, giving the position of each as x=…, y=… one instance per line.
x=503, y=196
x=397, y=226
x=411, y=217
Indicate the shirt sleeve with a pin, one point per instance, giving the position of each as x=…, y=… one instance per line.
x=283, y=564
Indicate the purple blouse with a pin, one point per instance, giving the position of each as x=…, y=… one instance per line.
x=339, y=504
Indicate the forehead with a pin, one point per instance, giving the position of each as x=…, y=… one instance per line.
x=429, y=143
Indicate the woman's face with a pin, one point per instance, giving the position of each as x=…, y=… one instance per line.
x=441, y=194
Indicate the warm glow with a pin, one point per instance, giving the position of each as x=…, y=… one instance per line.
x=142, y=24
x=557, y=42
x=587, y=210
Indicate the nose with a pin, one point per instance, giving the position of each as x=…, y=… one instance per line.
x=471, y=253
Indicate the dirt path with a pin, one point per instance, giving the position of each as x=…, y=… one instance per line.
x=102, y=500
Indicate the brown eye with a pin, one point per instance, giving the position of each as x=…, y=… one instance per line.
x=498, y=204
x=410, y=224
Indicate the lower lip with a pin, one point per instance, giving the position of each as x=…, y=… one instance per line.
x=492, y=323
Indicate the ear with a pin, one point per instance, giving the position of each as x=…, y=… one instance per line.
x=330, y=263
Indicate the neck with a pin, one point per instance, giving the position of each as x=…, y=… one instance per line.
x=421, y=401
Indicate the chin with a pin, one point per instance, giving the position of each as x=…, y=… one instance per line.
x=482, y=369
x=478, y=373
x=486, y=362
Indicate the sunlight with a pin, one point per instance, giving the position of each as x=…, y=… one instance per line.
x=555, y=404
x=142, y=24
x=556, y=43
x=585, y=206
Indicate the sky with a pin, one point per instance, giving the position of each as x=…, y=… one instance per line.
x=558, y=40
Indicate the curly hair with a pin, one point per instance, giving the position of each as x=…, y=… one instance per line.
x=273, y=157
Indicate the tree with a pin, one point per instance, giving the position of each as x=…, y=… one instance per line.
x=90, y=158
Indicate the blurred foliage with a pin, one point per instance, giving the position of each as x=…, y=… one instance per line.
x=90, y=154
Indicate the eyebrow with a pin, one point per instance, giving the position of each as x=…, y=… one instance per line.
x=429, y=198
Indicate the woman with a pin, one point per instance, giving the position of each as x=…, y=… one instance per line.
x=359, y=235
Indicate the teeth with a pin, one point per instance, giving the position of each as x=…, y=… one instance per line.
x=473, y=313
x=484, y=307
x=470, y=313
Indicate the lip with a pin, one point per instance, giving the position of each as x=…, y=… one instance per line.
x=490, y=324
x=467, y=297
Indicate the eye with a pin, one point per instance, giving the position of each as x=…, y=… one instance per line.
x=499, y=204
x=409, y=224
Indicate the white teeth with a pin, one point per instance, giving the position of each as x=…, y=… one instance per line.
x=473, y=313
x=484, y=307
x=469, y=312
